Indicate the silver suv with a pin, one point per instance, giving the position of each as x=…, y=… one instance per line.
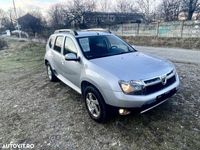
x=109, y=73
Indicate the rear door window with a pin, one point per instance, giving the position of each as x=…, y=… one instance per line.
x=51, y=41
x=58, y=44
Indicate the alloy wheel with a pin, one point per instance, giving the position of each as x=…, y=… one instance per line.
x=93, y=105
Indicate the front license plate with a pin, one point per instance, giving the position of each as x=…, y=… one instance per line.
x=166, y=95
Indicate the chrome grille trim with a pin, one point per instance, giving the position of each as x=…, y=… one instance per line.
x=159, y=78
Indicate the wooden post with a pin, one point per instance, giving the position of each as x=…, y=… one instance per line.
x=157, y=30
x=182, y=26
x=122, y=28
x=138, y=29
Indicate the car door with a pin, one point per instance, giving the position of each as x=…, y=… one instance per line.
x=57, y=53
x=71, y=70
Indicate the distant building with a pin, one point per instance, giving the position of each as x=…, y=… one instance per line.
x=26, y=19
x=30, y=24
x=106, y=18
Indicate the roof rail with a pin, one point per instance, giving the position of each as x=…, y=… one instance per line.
x=98, y=30
x=66, y=30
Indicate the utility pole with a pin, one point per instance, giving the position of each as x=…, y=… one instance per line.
x=18, y=28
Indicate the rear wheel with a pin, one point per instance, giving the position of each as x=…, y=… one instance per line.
x=95, y=105
x=50, y=73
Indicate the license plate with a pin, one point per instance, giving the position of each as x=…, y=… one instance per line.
x=166, y=95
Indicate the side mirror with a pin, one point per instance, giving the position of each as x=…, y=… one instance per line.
x=71, y=57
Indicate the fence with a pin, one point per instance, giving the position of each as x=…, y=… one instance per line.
x=183, y=29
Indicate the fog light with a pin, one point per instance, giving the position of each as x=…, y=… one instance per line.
x=124, y=112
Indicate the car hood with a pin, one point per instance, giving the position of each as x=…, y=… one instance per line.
x=134, y=66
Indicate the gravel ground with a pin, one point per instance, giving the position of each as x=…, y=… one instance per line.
x=53, y=117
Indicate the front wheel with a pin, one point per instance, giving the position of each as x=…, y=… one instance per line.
x=95, y=105
x=50, y=73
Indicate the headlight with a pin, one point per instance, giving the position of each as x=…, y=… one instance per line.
x=131, y=87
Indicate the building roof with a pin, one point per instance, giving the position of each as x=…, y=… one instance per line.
x=27, y=16
x=119, y=17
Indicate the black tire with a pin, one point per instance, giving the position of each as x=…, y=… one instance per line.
x=51, y=77
x=103, y=107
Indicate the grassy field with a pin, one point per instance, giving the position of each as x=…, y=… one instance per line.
x=21, y=55
x=188, y=43
x=53, y=117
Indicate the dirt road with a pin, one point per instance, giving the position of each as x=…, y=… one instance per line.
x=174, y=54
x=53, y=117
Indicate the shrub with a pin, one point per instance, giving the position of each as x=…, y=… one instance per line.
x=3, y=44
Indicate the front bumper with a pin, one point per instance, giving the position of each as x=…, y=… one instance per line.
x=121, y=100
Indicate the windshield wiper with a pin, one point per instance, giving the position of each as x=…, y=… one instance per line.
x=107, y=55
x=126, y=52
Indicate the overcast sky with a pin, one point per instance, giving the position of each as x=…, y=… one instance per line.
x=28, y=4
x=43, y=5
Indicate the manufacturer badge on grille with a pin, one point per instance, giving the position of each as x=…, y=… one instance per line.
x=163, y=79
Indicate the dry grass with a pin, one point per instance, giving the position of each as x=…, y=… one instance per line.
x=188, y=43
x=3, y=44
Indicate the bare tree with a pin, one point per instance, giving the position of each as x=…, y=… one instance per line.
x=190, y=6
x=104, y=5
x=169, y=10
x=38, y=14
x=5, y=21
x=147, y=8
x=8, y=20
x=67, y=15
x=12, y=16
x=2, y=13
x=7, y=24
x=57, y=14
x=125, y=6
x=2, y=16
x=79, y=8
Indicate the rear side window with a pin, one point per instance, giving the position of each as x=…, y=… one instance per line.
x=58, y=44
x=51, y=41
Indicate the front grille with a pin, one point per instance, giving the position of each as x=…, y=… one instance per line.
x=159, y=86
x=152, y=80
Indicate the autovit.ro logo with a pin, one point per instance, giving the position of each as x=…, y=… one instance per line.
x=17, y=146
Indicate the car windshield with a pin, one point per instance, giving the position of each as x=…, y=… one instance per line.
x=103, y=46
